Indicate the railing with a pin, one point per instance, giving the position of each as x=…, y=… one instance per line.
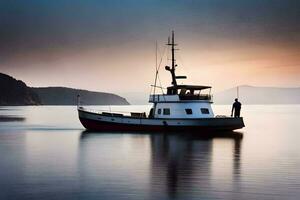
x=195, y=97
x=114, y=113
x=154, y=97
x=161, y=98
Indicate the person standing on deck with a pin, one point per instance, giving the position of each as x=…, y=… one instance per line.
x=236, y=107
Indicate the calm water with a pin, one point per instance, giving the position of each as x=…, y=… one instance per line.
x=45, y=154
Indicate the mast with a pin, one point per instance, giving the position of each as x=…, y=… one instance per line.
x=173, y=51
x=172, y=68
x=174, y=65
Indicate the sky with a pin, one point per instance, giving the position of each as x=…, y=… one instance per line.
x=109, y=45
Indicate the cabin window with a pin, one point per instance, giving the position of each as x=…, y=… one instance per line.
x=189, y=111
x=204, y=111
x=166, y=111
x=159, y=111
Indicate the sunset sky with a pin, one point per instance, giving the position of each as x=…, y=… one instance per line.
x=109, y=45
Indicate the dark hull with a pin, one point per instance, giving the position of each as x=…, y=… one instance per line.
x=95, y=125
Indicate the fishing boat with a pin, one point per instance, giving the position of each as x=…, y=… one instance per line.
x=181, y=108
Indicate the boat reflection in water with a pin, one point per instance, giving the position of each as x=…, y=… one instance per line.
x=168, y=166
x=182, y=165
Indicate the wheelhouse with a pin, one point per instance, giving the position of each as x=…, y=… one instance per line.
x=183, y=101
x=190, y=92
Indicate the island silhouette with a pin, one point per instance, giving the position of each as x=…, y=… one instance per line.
x=15, y=92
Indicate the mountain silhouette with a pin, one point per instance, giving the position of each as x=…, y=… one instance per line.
x=15, y=92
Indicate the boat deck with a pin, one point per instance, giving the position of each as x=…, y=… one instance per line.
x=117, y=122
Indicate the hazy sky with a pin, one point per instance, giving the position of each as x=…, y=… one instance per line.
x=109, y=45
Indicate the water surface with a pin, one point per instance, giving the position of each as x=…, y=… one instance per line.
x=46, y=154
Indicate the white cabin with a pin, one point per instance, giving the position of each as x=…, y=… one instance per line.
x=181, y=102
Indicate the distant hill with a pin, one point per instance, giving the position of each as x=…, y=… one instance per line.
x=15, y=92
x=68, y=96
x=259, y=95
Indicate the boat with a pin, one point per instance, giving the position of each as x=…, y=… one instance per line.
x=184, y=108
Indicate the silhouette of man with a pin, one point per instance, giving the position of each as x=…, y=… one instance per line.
x=236, y=107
